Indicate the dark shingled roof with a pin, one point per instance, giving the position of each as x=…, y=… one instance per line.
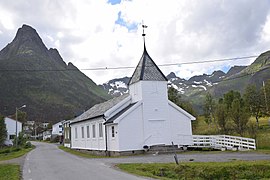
x=119, y=114
x=99, y=109
x=147, y=70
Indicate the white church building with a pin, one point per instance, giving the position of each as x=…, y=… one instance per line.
x=129, y=123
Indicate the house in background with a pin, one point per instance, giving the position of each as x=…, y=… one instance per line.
x=47, y=134
x=45, y=125
x=57, y=131
x=11, y=129
x=28, y=128
x=130, y=123
x=66, y=126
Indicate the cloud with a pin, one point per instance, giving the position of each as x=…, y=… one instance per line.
x=104, y=33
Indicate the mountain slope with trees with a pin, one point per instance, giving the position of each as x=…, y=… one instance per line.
x=36, y=76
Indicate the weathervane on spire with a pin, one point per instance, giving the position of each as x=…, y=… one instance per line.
x=143, y=26
x=143, y=34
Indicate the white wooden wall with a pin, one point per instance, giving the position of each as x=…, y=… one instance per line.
x=85, y=142
x=11, y=127
x=131, y=133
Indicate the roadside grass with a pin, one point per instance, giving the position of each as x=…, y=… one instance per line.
x=201, y=170
x=9, y=172
x=263, y=136
x=11, y=153
x=82, y=154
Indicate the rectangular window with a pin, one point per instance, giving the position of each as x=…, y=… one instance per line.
x=94, y=130
x=82, y=132
x=113, y=131
x=100, y=130
x=76, y=133
x=11, y=136
x=88, y=131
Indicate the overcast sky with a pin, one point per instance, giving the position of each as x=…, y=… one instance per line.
x=102, y=33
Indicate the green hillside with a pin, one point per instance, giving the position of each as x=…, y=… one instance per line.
x=255, y=73
x=33, y=75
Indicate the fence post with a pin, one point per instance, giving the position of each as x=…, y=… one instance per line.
x=175, y=155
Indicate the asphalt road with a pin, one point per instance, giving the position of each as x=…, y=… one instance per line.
x=47, y=162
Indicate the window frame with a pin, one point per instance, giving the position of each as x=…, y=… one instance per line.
x=100, y=130
x=87, y=131
x=82, y=131
x=94, y=131
x=113, y=132
x=76, y=133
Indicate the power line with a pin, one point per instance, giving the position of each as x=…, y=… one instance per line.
x=238, y=76
x=129, y=67
x=210, y=61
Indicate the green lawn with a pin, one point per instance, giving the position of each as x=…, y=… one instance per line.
x=9, y=172
x=13, y=154
x=206, y=170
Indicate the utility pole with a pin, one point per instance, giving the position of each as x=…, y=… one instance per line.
x=16, y=142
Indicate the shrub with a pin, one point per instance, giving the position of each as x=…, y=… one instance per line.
x=5, y=151
x=28, y=144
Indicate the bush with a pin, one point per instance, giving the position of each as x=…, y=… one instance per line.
x=28, y=144
x=21, y=140
x=16, y=149
x=5, y=151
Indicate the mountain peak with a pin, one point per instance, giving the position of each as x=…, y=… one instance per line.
x=25, y=42
x=234, y=70
x=57, y=57
x=171, y=75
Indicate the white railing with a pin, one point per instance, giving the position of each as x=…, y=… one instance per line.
x=223, y=142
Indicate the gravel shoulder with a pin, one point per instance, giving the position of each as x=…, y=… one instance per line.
x=186, y=157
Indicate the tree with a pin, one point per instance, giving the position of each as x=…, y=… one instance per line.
x=239, y=116
x=209, y=108
x=266, y=96
x=21, y=115
x=254, y=101
x=221, y=117
x=3, y=131
x=229, y=97
x=175, y=97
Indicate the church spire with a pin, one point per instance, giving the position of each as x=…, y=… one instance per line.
x=146, y=69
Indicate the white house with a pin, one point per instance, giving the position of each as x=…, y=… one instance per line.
x=57, y=129
x=142, y=118
x=47, y=134
x=11, y=128
x=66, y=139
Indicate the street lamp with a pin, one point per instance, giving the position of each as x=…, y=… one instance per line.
x=23, y=106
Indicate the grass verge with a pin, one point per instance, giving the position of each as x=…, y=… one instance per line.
x=199, y=170
x=10, y=153
x=78, y=153
x=9, y=172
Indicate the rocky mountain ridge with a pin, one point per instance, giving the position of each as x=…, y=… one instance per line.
x=36, y=76
x=118, y=86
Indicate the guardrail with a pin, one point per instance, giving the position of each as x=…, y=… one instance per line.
x=223, y=142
